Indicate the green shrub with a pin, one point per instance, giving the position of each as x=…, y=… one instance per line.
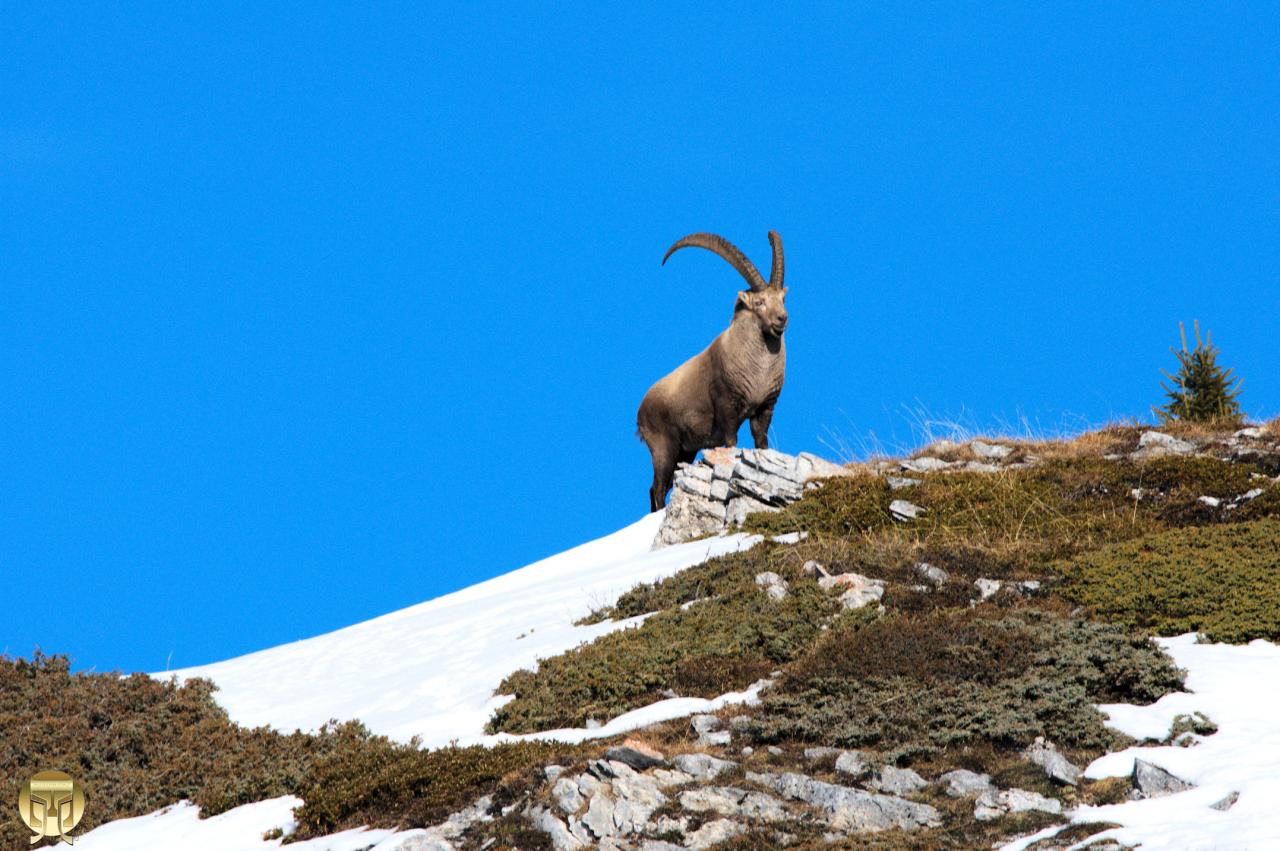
x=721, y=643
x=914, y=686
x=1221, y=581
x=1202, y=391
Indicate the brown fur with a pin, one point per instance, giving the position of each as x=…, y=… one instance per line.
x=738, y=377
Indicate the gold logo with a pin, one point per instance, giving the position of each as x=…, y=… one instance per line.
x=51, y=803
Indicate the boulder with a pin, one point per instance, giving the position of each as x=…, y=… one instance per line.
x=1054, y=764
x=702, y=766
x=963, y=783
x=1155, y=443
x=897, y=781
x=850, y=810
x=1152, y=781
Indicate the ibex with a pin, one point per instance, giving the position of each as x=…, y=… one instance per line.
x=738, y=377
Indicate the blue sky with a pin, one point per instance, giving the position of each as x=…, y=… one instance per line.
x=312, y=312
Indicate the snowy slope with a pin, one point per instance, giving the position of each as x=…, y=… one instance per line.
x=1238, y=687
x=430, y=670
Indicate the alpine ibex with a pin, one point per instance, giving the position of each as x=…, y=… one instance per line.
x=738, y=377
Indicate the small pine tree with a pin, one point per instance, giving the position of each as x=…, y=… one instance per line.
x=1202, y=391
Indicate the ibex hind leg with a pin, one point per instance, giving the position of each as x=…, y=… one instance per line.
x=664, y=468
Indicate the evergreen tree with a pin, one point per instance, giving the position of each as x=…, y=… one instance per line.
x=1202, y=391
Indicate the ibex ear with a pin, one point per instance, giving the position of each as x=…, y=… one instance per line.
x=744, y=299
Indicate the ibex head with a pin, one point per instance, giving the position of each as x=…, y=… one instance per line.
x=764, y=300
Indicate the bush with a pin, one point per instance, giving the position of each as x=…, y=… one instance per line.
x=719, y=644
x=915, y=686
x=1220, y=581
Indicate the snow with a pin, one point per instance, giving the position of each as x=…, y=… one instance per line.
x=1238, y=688
x=430, y=670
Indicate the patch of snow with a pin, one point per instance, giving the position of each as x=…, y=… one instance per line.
x=1238, y=688
x=430, y=670
x=241, y=829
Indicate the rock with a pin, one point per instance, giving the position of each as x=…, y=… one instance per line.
x=815, y=754
x=567, y=795
x=717, y=739
x=1226, y=803
x=935, y=576
x=897, y=781
x=990, y=451
x=740, y=722
x=551, y=772
x=987, y=587
x=1250, y=433
x=903, y=510
x=748, y=751
x=702, y=766
x=1055, y=765
x=774, y=750
x=858, y=590
x=1152, y=781
x=635, y=754
x=962, y=783
x=1211, y=501
x=1158, y=443
x=812, y=568
x=665, y=777
x=773, y=584
x=925, y=464
x=561, y=839
x=727, y=484
x=981, y=467
x=993, y=804
x=712, y=833
x=705, y=723
x=853, y=763
x=847, y=809
x=897, y=483
x=738, y=803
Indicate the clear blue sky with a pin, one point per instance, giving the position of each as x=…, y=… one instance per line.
x=311, y=312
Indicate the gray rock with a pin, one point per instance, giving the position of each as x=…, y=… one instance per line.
x=925, y=464
x=933, y=575
x=813, y=568
x=987, y=587
x=705, y=723
x=897, y=781
x=814, y=754
x=1250, y=433
x=717, y=739
x=551, y=772
x=847, y=809
x=1226, y=803
x=635, y=754
x=702, y=766
x=1055, y=765
x=1211, y=501
x=665, y=777
x=712, y=833
x=962, y=783
x=903, y=510
x=990, y=451
x=1152, y=781
x=1158, y=443
x=567, y=795
x=897, y=483
x=981, y=467
x=774, y=750
x=853, y=763
x=773, y=584
x=856, y=590
x=737, y=803
x=993, y=804
x=561, y=839
x=740, y=722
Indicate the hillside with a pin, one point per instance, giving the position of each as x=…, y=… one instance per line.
x=951, y=650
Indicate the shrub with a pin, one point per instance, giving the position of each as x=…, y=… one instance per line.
x=1221, y=581
x=722, y=643
x=914, y=686
x=1202, y=391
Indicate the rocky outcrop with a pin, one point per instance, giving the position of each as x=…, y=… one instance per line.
x=726, y=484
x=849, y=810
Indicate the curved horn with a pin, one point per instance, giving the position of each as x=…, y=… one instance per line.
x=775, y=277
x=725, y=249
